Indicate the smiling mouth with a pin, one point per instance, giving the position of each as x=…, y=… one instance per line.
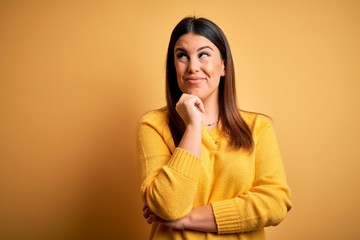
x=194, y=80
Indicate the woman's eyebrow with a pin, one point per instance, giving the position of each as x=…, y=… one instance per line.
x=199, y=49
x=204, y=48
x=180, y=49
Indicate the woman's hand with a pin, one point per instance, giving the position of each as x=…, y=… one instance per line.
x=152, y=217
x=200, y=219
x=190, y=108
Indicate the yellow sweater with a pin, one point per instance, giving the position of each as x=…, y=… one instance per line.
x=247, y=191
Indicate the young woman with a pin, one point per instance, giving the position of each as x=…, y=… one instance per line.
x=208, y=170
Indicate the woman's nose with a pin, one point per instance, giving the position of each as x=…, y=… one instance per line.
x=194, y=65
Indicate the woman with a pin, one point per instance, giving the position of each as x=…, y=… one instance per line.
x=208, y=170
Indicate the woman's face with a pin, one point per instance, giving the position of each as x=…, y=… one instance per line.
x=198, y=66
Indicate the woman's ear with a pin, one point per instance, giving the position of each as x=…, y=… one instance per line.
x=223, y=69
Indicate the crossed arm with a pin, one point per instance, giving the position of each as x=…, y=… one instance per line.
x=199, y=219
x=191, y=109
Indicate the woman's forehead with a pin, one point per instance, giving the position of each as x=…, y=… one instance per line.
x=191, y=41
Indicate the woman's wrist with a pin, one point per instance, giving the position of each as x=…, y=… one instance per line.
x=195, y=127
x=200, y=219
x=191, y=139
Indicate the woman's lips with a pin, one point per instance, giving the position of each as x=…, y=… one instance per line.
x=194, y=80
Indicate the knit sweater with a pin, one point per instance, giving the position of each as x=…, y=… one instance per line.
x=247, y=190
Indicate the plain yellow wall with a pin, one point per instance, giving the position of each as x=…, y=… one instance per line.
x=75, y=76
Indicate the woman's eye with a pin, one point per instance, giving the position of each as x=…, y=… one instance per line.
x=181, y=56
x=204, y=55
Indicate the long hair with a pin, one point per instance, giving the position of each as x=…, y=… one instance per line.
x=232, y=124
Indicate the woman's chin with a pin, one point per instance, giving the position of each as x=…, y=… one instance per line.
x=193, y=92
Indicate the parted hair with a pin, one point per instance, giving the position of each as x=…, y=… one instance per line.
x=232, y=124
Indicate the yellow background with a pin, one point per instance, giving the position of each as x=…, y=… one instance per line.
x=75, y=76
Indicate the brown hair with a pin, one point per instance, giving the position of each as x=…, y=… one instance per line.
x=233, y=125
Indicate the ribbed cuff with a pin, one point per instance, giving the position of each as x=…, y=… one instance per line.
x=185, y=163
x=226, y=217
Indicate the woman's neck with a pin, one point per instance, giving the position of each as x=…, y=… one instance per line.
x=211, y=115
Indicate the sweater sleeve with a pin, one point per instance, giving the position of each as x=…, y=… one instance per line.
x=268, y=200
x=168, y=179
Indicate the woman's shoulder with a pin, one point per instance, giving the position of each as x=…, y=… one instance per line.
x=253, y=119
x=155, y=116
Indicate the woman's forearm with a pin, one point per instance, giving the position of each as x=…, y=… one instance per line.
x=191, y=140
x=191, y=110
x=201, y=219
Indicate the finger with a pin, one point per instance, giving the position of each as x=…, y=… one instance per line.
x=151, y=219
x=148, y=219
x=146, y=213
x=197, y=102
x=200, y=106
x=184, y=97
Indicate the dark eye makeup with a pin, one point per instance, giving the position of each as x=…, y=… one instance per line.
x=181, y=55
